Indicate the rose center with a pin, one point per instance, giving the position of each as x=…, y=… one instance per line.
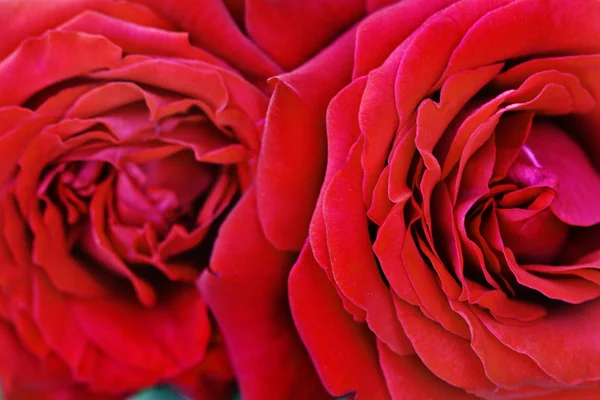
x=162, y=191
x=554, y=178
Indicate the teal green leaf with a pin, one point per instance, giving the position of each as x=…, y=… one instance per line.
x=158, y=393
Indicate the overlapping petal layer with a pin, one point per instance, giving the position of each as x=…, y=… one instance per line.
x=461, y=178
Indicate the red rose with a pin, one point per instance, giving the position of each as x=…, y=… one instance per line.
x=453, y=252
x=125, y=142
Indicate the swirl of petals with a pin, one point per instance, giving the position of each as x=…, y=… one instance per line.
x=123, y=150
x=462, y=172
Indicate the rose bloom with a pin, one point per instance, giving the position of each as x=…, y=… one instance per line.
x=453, y=252
x=129, y=135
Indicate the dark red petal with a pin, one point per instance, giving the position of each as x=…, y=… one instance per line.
x=166, y=339
x=211, y=27
x=49, y=59
x=564, y=344
x=561, y=28
x=53, y=314
x=24, y=377
x=505, y=367
x=25, y=19
x=342, y=132
x=356, y=273
x=246, y=291
x=136, y=39
x=343, y=351
x=449, y=357
x=571, y=394
x=386, y=29
x=408, y=378
x=293, y=154
x=586, y=69
x=291, y=31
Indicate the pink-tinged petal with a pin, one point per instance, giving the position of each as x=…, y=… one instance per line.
x=211, y=27
x=448, y=356
x=535, y=239
x=287, y=184
x=578, y=182
x=561, y=27
x=565, y=344
x=356, y=273
x=540, y=93
x=136, y=39
x=342, y=350
x=505, y=367
x=409, y=379
x=49, y=59
x=510, y=136
x=398, y=21
x=291, y=31
x=245, y=288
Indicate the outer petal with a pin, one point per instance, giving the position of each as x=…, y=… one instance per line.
x=293, y=154
x=409, y=379
x=50, y=59
x=212, y=27
x=22, y=19
x=246, y=290
x=343, y=351
x=292, y=30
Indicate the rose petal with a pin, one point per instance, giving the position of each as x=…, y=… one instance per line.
x=342, y=350
x=571, y=356
x=447, y=356
x=136, y=39
x=57, y=64
x=288, y=185
x=578, y=182
x=398, y=21
x=246, y=291
x=211, y=27
x=292, y=30
x=356, y=273
x=408, y=378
